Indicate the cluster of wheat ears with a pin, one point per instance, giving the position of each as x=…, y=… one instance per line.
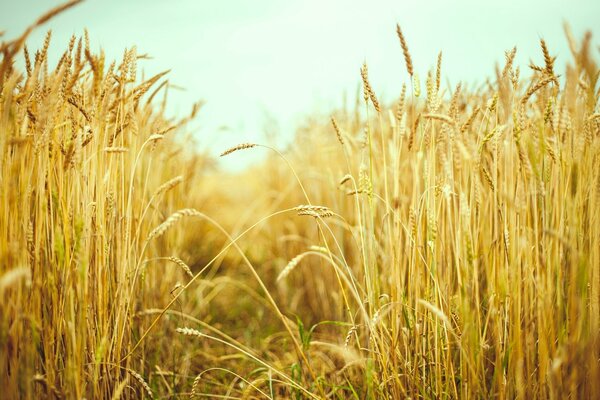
x=445, y=246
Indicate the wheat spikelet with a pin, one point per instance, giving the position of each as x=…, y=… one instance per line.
x=365, y=81
x=302, y=208
x=535, y=68
x=110, y=203
x=438, y=72
x=407, y=57
x=519, y=122
x=72, y=43
x=377, y=316
x=77, y=55
x=400, y=107
x=426, y=138
x=116, y=149
x=526, y=165
x=432, y=225
x=506, y=239
x=337, y=130
x=465, y=210
x=349, y=335
x=413, y=224
x=587, y=132
x=493, y=104
x=142, y=382
x=154, y=137
x=549, y=61
x=469, y=120
x=317, y=214
x=12, y=276
x=515, y=78
x=549, y=147
x=537, y=87
x=29, y=237
x=242, y=146
x=86, y=40
x=364, y=181
x=166, y=130
x=181, y=265
x=583, y=84
x=168, y=185
x=510, y=57
x=44, y=52
x=489, y=136
x=417, y=85
x=367, y=89
x=195, y=385
x=437, y=312
x=144, y=87
x=133, y=64
x=314, y=211
x=176, y=216
x=189, y=332
x=413, y=132
x=319, y=249
x=27, y=60
x=345, y=179
x=488, y=179
x=453, y=107
x=75, y=101
x=290, y=266
x=432, y=99
x=440, y=117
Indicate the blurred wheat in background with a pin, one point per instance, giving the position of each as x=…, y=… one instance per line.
x=444, y=246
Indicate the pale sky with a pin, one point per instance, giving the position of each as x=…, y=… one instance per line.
x=269, y=63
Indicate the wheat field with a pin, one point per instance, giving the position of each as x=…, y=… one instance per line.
x=443, y=246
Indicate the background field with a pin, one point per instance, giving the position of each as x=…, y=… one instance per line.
x=441, y=245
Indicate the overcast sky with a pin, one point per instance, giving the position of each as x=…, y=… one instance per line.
x=266, y=60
